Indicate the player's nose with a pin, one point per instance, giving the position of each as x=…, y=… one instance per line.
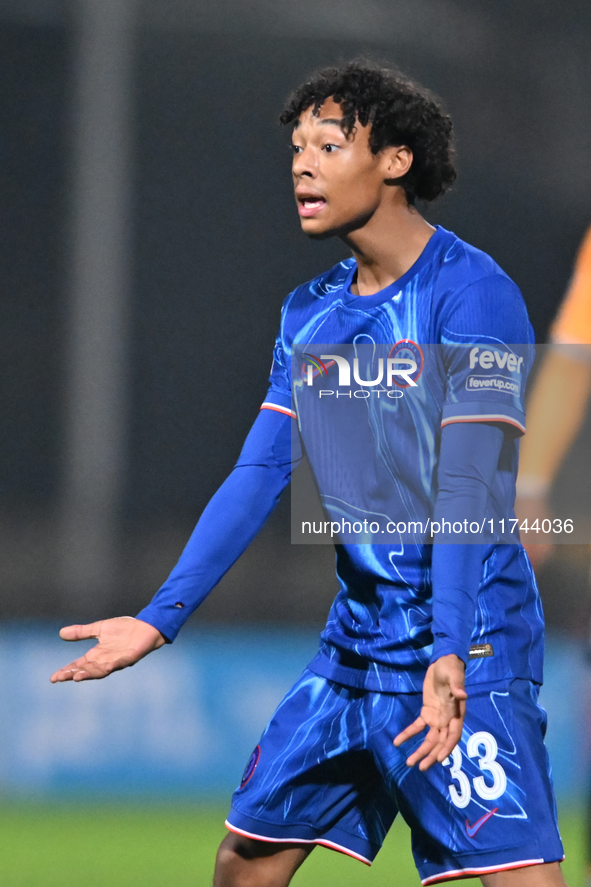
x=305, y=163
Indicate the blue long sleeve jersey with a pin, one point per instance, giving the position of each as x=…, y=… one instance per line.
x=241, y=506
x=402, y=602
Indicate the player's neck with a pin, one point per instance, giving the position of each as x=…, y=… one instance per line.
x=387, y=246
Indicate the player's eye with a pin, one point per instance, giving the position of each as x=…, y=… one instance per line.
x=330, y=148
x=296, y=149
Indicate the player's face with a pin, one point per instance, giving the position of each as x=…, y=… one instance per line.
x=339, y=183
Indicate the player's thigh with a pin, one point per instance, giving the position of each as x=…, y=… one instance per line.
x=497, y=780
x=311, y=778
x=548, y=875
x=242, y=862
x=489, y=807
x=306, y=751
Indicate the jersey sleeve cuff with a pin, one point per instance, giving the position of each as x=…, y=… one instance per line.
x=168, y=619
x=479, y=411
x=444, y=646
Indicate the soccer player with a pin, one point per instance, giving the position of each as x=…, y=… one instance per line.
x=556, y=411
x=422, y=698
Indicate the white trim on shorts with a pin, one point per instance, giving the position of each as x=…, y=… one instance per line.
x=484, y=870
x=330, y=844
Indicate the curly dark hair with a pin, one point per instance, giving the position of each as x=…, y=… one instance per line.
x=400, y=112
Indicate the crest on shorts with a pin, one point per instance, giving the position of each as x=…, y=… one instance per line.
x=251, y=766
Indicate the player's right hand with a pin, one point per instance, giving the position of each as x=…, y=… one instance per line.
x=122, y=642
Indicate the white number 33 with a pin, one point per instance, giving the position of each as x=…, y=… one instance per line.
x=461, y=794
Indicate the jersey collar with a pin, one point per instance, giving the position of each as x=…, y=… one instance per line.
x=391, y=291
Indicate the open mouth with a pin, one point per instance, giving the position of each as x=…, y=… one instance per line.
x=310, y=205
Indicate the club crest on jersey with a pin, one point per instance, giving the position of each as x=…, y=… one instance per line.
x=251, y=766
x=409, y=351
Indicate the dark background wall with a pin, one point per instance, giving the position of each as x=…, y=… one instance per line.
x=215, y=247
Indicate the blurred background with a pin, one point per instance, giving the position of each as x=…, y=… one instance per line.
x=149, y=238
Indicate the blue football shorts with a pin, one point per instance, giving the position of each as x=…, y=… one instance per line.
x=326, y=772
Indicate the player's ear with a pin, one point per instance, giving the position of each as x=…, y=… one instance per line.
x=397, y=162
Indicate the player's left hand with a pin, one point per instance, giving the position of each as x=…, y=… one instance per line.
x=444, y=707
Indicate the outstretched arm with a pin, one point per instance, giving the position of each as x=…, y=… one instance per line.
x=230, y=521
x=468, y=461
x=122, y=642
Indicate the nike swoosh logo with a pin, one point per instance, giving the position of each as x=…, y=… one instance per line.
x=472, y=829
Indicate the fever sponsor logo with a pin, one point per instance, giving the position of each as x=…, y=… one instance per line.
x=489, y=358
x=494, y=383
